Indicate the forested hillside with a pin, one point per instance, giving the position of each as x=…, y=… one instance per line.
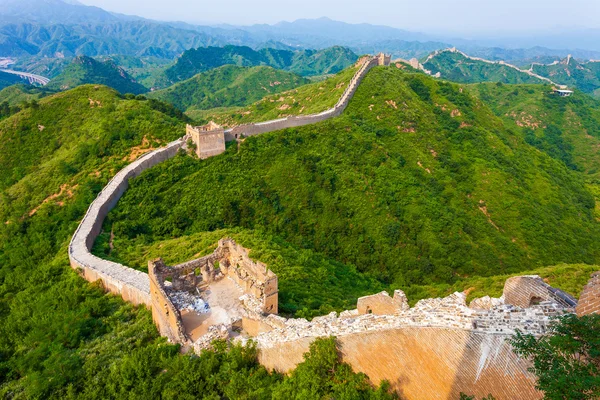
x=84, y=70
x=16, y=94
x=417, y=183
x=566, y=128
x=302, y=62
x=584, y=76
x=62, y=337
x=228, y=86
x=458, y=68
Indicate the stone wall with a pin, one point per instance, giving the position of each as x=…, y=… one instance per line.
x=589, y=302
x=434, y=350
x=425, y=362
x=165, y=315
x=524, y=291
x=132, y=285
x=365, y=65
x=209, y=139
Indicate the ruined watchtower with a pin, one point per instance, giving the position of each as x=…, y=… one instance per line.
x=209, y=139
x=384, y=59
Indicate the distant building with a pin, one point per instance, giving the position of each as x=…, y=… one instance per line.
x=563, y=92
x=209, y=139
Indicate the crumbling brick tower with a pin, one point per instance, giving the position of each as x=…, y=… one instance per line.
x=589, y=301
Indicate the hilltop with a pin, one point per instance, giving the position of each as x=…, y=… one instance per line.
x=584, y=76
x=19, y=93
x=417, y=183
x=456, y=67
x=228, y=86
x=84, y=70
x=302, y=62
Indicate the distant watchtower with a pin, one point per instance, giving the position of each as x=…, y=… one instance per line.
x=384, y=59
x=209, y=139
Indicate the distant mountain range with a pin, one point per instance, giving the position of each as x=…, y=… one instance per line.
x=66, y=28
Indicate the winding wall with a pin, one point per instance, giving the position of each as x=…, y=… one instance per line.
x=501, y=62
x=132, y=285
x=433, y=351
x=301, y=120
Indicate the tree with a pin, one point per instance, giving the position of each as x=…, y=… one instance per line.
x=323, y=375
x=566, y=361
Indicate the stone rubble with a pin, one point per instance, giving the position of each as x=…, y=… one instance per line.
x=184, y=300
x=449, y=312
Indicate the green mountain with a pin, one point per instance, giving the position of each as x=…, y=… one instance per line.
x=306, y=99
x=584, y=76
x=303, y=62
x=228, y=86
x=84, y=70
x=19, y=93
x=61, y=336
x=416, y=183
x=456, y=67
x=134, y=38
x=566, y=128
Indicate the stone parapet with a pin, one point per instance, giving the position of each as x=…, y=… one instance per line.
x=132, y=285
x=365, y=64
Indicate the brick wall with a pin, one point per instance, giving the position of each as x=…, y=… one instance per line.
x=524, y=291
x=589, y=301
x=258, y=128
x=425, y=362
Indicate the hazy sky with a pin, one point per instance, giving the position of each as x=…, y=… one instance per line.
x=460, y=16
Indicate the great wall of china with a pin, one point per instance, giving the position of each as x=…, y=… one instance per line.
x=434, y=350
x=455, y=50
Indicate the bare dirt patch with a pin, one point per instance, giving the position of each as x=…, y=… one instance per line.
x=137, y=151
x=65, y=190
x=392, y=103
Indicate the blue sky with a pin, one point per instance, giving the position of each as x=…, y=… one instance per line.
x=448, y=16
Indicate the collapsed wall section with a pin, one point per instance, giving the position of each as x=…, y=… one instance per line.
x=528, y=290
x=197, y=277
x=252, y=276
x=165, y=315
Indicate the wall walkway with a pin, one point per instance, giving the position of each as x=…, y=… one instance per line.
x=132, y=285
